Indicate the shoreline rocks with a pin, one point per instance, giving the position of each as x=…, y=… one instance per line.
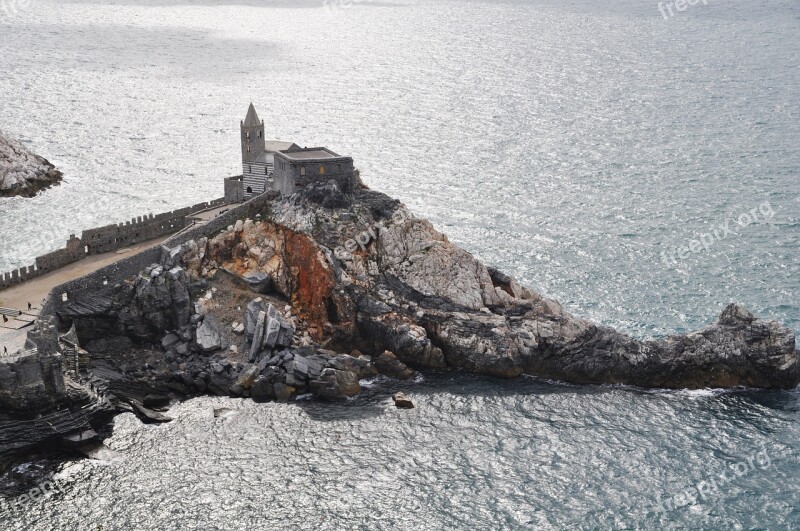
x=22, y=172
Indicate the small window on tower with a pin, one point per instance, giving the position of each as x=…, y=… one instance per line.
x=259, y=133
x=249, y=169
x=322, y=169
x=248, y=149
x=248, y=135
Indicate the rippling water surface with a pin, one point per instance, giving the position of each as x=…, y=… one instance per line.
x=474, y=454
x=569, y=143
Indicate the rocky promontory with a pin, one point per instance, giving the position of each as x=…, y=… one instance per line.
x=314, y=292
x=22, y=172
x=289, y=295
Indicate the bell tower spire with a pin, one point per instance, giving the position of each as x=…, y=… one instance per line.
x=252, y=136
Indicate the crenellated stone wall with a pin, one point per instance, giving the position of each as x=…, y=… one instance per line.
x=108, y=238
x=103, y=280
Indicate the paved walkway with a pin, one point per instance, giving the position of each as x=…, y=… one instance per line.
x=14, y=332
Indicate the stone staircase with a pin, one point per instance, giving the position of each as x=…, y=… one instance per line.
x=69, y=354
x=76, y=364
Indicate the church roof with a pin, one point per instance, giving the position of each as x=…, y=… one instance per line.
x=277, y=145
x=311, y=154
x=252, y=117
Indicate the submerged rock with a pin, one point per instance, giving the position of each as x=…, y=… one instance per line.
x=156, y=401
x=222, y=412
x=147, y=415
x=402, y=401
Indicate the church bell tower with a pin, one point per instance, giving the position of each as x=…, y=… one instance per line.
x=252, y=136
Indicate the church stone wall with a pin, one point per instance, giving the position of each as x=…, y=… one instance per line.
x=289, y=178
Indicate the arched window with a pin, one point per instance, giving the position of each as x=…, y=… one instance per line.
x=248, y=135
x=259, y=133
x=248, y=149
x=249, y=189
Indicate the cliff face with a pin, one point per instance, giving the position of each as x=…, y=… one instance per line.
x=22, y=172
x=400, y=285
x=31, y=379
x=40, y=406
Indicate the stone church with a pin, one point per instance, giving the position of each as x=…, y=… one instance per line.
x=284, y=166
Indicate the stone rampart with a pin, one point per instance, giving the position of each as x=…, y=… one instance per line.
x=108, y=238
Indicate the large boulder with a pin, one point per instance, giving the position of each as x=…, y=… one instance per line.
x=361, y=366
x=269, y=329
x=388, y=365
x=335, y=385
x=284, y=392
x=301, y=369
x=255, y=307
x=208, y=337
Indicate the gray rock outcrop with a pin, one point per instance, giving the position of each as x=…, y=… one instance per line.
x=268, y=328
x=23, y=173
x=400, y=285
